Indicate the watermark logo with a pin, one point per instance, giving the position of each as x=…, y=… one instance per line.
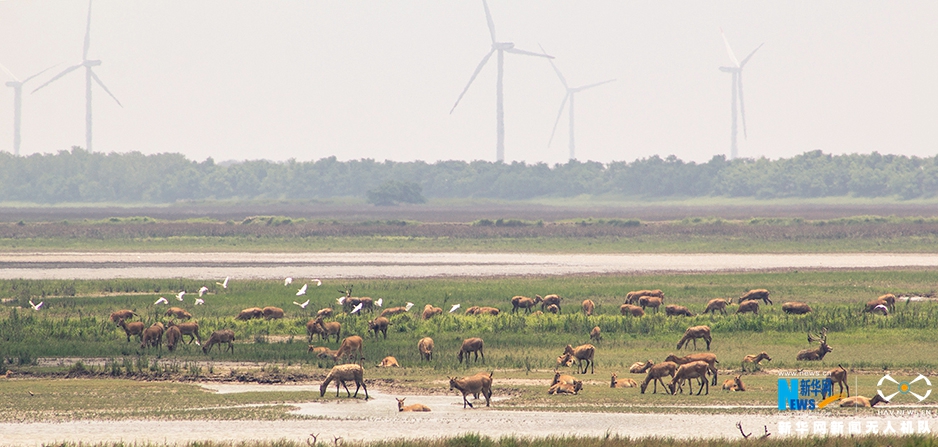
x=806, y=394
x=902, y=387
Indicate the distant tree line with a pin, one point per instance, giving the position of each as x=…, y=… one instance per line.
x=82, y=176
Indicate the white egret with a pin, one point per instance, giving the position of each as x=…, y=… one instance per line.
x=379, y=302
x=878, y=307
x=224, y=285
x=408, y=306
x=303, y=304
x=318, y=282
x=162, y=300
x=288, y=281
x=356, y=309
x=302, y=291
x=199, y=301
x=340, y=300
x=203, y=290
x=453, y=309
x=35, y=306
x=180, y=295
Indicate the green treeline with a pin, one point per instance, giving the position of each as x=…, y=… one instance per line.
x=82, y=176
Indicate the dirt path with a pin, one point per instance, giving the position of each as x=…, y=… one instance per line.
x=414, y=265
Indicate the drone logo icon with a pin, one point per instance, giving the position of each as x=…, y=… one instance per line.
x=903, y=387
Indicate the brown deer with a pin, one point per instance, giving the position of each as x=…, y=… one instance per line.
x=271, y=312
x=819, y=352
x=796, y=308
x=837, y=375
x=693, y=333
x=708, y=357
x=596, y=334
x=754, y=360
x=388, y=362
x=633, y=296
x=564, y=388
x=123, y=314
x=379, y=324
x=756, y=294
x=657, y=373
x=588, y=307
x=328, y=328
x=640, y=367
x=178, y=312
x=190, y=328
x=153, y=336
x=717, y=304
x=631, y=309
x=324, y=312
x=220, y=336
x=734, y=384
x=425, y=346
x=860, y=401
x=469, y=346
x=414, y=407
x=341, y=374
x=392, y=311
x=692, y=370
x=622, y=383
x=348, y=347
x=132, y=328
x=751, y=306
x=522, y=302
x=479, y=383
x=583, y=355
x=548, y=300
x=673, y=310
x=653, y=302
x=429, y=312
x=250, y=313
x=173, y=335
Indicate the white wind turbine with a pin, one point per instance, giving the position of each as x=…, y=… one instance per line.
x=17, y=87
x=89, y=76
x=571, y=91
x=737, y=71
x=501, y=47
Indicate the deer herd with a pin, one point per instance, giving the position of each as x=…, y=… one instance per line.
x=699, y=368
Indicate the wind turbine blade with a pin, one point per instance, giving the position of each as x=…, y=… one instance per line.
x=474, y=74
x=56, y=77
x=98, y=80
x=594, y=85
x=9, y=73
x=556, y=70
x=729, y=50
x=742, y=103
x=527, y=53
x=488, y=19
x=559, y=113
x=84, y=53
x=37, y=74
x=743, y=63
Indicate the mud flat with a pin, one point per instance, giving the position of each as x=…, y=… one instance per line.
x=416, y=265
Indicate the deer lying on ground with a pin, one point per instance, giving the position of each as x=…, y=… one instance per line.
x=751, y=306
x=316, y=350
x=640, y=367
x=564, y=378
x=250, y=313
x=388, y=362
x=178, y=312
x=425, y=347
x=633, y=296
x=588, y=307
x=756, y=294
x=673, y=310
x=564, y=388
x=816, y=353
x=220, y=336
x=693, y=333
x=479, y=383
x=860, y=401
x=657, y=373
x=596, y=334
x=469, y=346
x=583, y=355
x=341, y=374
x=123, y=314
x=708, y=357
x=753, y=360
x=796, y=308
x=734, y=384
x=629, y=309
x=392, y=311
x=622, y=383
x=837, y=375
x=430, y=311
x=717, y=304
x=522, y=302
x=132, y=328
x=692, y=370
x=190, y=328
x=414, y=407
x=379, y=324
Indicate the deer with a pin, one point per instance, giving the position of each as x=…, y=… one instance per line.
x=692, y=370
x=153, y=336
x=414, y=407
x=327, y=328
x=754, y=360
x=588, y=307
x=429, y=311
x=469, y=346
x=349, y=345
x=271, y=312
x=837, y=375
x=640, y=367
x=693, y=333
x=190, y=328
x=132, y=328
x=631, y=309
x=717, y=304
x=653, y=302
x=522, y=302
x=657, y=373
x=173, y=335
x=673, y=310
x=751, y=306
x=178, y=312
x=734, y=384
x=816, y=353
x=622, y=383
x=341, y=374
x=583, y=355
x=479, y=383
x=250, y=313
x=633, y=296
x=708, y=357
x=548, y=300
x=123, y=314
x=860, y=401
x=596, y=334
x=425, y=347
x=220, y=336
x=796, y=308
x=379, y=324
x=564, y=388
x=756, y=294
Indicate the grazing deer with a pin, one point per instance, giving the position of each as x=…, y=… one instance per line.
x=754, y=359
x=429, y=311
x=708, y=357
x=751, y=306
x=522, y=302
x=379, y=324
x=796, y=308
x=839, y=376
x=717, y=304
x=633, y=296
x=693, y=333
x=588, y=307
x=548, y=300
x=631, y=309
x=673, y=310
x=819, y=352
x=469, y=346
x=657, y=373
x=756, y=294
x=693, y=370
x=425, y=347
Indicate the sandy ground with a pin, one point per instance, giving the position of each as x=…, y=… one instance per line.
x=415, y=265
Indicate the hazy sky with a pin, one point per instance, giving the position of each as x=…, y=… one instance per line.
x=309, y=79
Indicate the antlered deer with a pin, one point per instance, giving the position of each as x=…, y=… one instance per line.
x=819, y=352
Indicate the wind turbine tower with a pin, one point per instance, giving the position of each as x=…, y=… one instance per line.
x=737, y=71
x=571, y=92
x=17, y=87
x=89, y=76
x=501, y=48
